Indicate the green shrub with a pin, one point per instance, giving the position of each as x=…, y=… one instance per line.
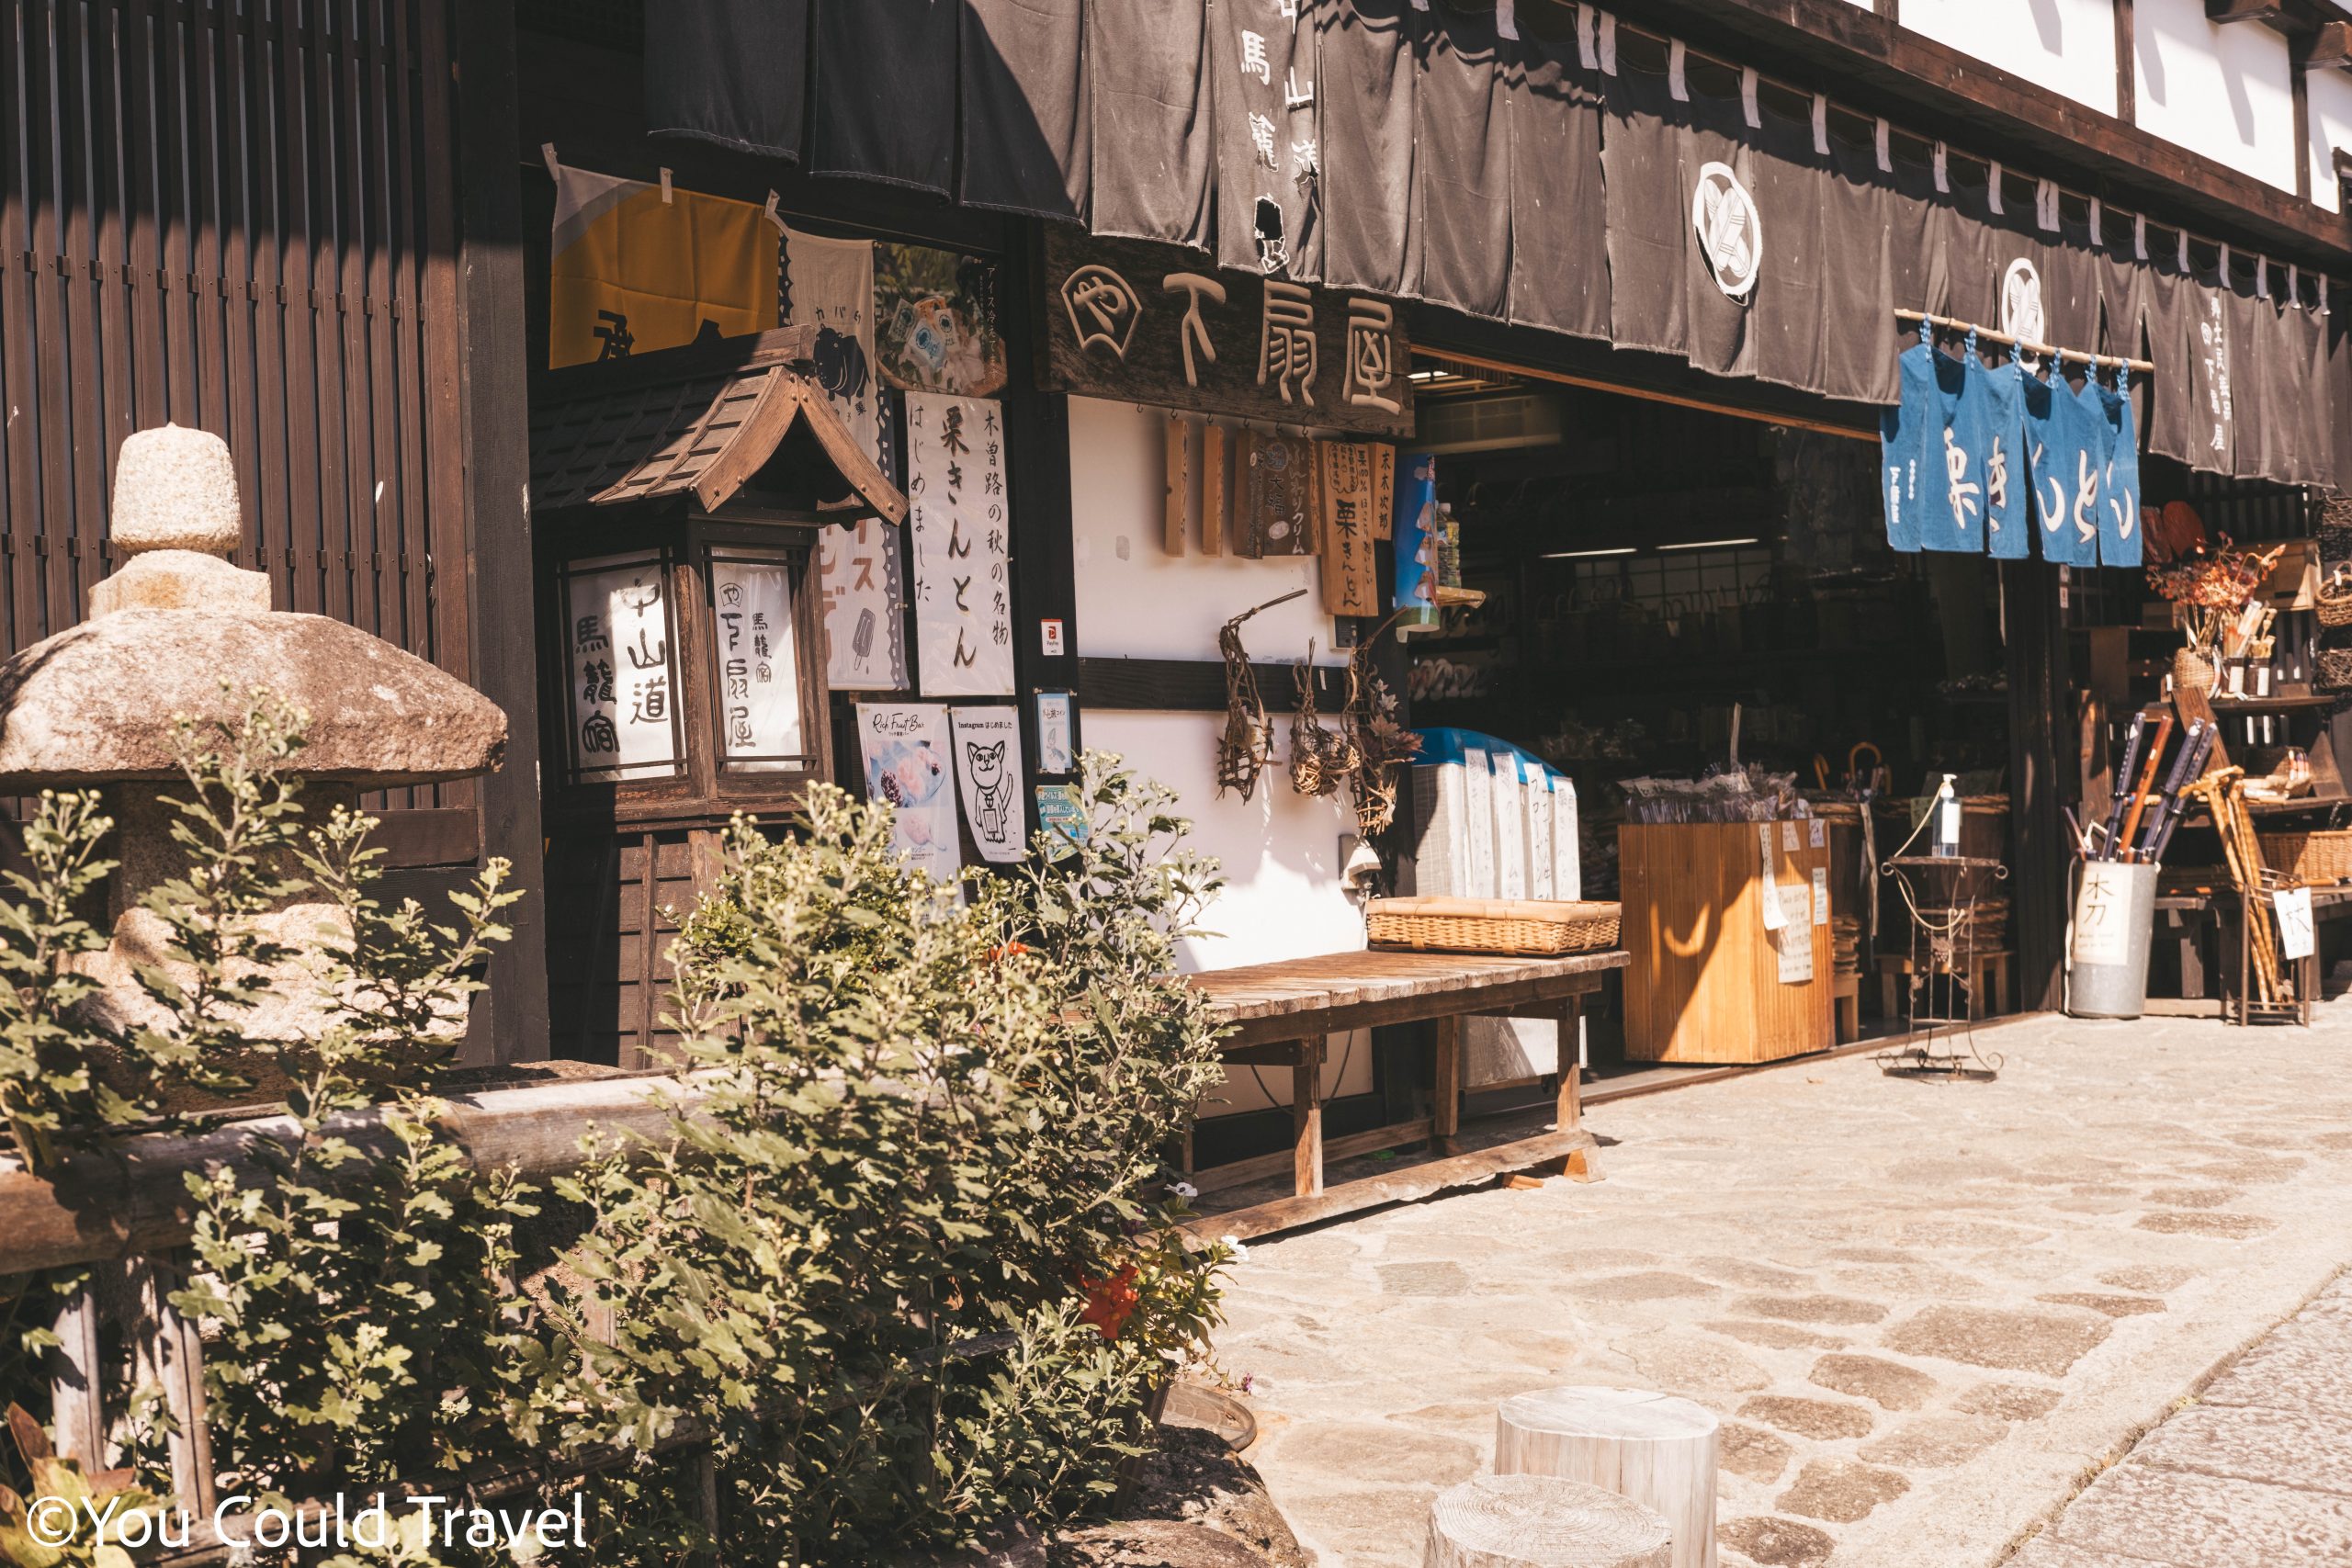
x=910, y=1260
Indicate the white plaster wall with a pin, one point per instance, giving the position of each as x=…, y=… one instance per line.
x=1280, y=851
x=2224, y=91
x=2067, y=46
x=2331, y=126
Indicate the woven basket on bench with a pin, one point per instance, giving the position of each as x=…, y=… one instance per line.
x=2310, y=857
x=1538, y=928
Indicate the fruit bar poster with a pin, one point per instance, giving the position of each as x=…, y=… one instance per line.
x=911, y=762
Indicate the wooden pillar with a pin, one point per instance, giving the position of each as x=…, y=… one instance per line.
x=1307, y=1119
x=1445, y=1091
x=1579, y=1165
x=492, y=373
x=2039, y=695
x=77, y=1414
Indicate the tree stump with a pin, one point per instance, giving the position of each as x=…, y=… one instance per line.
x=1540, y=1521
x=1657, y=1450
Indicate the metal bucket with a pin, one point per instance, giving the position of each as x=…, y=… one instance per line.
x=2106, y=953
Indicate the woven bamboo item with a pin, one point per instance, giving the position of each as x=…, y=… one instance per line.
x=2334, y=602
x=1532, y=927
x=2312, y=858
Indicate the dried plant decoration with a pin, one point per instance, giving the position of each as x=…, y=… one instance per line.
x=1379, y=743
x=1320, y=757
x=1247, y=743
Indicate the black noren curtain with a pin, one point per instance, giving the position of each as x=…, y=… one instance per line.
x=1149, y=85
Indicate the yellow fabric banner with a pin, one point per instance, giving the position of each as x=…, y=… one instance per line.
x=631, y=273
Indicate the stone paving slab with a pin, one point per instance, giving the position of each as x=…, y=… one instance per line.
x=1928, y=1313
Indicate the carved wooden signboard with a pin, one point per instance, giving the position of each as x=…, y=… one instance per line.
x=1346, y=489
x=1153, y=325
x=1276, y=478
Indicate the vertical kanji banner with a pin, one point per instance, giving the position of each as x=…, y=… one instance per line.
x=956, y=494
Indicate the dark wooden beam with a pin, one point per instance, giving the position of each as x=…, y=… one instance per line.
x=2242, y=10
x=1870, y=64
x=2300, y=88
x=494, y=386
x=2330, y=46
x=1197, y=685
x=2127, y=64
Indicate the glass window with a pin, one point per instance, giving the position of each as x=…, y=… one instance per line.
x=759, y=708
x=623, y=679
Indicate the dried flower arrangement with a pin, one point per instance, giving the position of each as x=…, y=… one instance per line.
x=1320, y=757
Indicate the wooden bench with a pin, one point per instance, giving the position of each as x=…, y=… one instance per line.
x=1282, y=1014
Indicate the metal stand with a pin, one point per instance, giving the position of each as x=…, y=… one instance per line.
x=1945, y=968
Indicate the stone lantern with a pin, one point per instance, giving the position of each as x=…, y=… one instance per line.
x=180, y=630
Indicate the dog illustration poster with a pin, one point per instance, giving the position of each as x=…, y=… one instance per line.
x=987, y=767
x=909, y=762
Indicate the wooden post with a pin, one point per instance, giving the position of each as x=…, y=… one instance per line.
x=1578, y=1164
x=171, y=1354
x=1504, y=1521
x=1212, y=488
x=77, y=1417
x=1306, y=1120
x=1657, y=1449
x=1445, y=1092
x=1179, y=481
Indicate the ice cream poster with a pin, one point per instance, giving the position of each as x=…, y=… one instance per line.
x=911, y=762
x=987, y=767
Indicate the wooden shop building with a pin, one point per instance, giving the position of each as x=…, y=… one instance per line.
x=911, y=394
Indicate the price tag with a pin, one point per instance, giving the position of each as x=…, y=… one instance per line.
x=1789, y=837
x=1821, y=896
x=1775, y=915
x=1819, y=831
x=2295, y=937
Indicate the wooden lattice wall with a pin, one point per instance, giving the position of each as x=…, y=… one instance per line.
x=239, y=215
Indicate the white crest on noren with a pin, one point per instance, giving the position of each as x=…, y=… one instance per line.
x=1730, y=230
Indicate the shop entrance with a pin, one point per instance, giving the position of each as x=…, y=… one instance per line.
x=1692, y=613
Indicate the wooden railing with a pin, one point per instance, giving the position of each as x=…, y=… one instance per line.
x=126, y=1212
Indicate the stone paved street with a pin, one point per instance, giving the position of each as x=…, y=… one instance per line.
x=1928, y=1313
x=2257, y=1474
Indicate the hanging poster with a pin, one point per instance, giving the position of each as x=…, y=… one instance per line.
x=1901, y=436
x=1952, y=519
x=910, y=763
x=1418, y=537
x=988, y=772
x=2064, y=473
x=632, y=268
x=1061, y=817
x=761, y=729
x=864, y=588
x=956, y=494
x=2007, y=524
x=934, y=321
x=829, y=284
x=624, y=708
x=1277, y=490
x=1351, y=575
x=1057, y=731
x=2118, y=520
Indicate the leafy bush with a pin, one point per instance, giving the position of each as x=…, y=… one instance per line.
x=909, y=1259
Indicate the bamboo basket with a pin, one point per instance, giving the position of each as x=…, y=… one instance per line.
x=1529, y=928
x=2334, y=602
x=2310, y=857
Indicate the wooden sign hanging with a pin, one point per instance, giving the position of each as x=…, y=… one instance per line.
x=1344, y=536
x=1276, y=483
x=1213, y=487
x=1148, y=324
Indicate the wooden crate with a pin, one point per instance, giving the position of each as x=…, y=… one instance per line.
x=1704, y=983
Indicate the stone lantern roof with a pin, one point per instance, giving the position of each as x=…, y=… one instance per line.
x=182, y=630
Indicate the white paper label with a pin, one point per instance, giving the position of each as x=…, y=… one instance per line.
x=758, y=678
x=1818, y=832
x=1478, y=819
x=1821, y=896
x=1793, y=940
x=2103, y=916
x=1774, y=914
x=1950, y=834
x=2295, y=937
x=1789, y=837
x=1510, y=820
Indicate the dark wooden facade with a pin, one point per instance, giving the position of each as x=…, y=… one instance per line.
x=256, y=218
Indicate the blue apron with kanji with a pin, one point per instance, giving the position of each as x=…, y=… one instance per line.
x=1902, y=431
x=2008, y=522
x=1953, y=516
x=2065, y=455
x=2118, y=523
